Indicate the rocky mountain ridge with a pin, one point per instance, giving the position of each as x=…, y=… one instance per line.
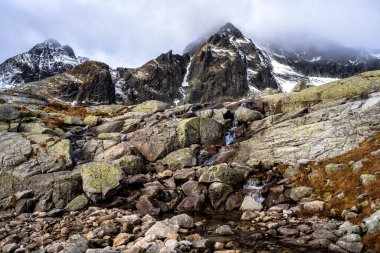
x=222, y=66
x=43, y=60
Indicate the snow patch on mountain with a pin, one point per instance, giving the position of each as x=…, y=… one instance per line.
x=287, y=77
x=43, y=60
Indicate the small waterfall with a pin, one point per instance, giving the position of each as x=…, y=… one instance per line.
x=208, y=161
x=253, y=200
x=191, y=110
x=243, y=105
x=254, y=190
x=231, y=136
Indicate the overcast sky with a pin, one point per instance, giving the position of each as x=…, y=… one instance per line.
x=130, y=32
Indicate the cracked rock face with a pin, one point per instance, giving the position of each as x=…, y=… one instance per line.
x=319, y=134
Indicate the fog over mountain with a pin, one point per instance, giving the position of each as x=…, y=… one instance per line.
x=128, y=33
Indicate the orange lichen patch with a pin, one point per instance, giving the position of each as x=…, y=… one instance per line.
x=372, y=241
x=56, y=107
x=343, y=190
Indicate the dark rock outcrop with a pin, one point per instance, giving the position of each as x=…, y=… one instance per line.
x=228, y=65
x=89, y=82
x=158, y=79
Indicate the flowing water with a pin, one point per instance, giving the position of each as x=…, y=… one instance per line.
x=231, y=136
x=254, y=190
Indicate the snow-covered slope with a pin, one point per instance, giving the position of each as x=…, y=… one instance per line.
x=287, y=77
x=43, y=60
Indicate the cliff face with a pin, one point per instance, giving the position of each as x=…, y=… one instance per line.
x=159, y=79
x=227, y=65
x=89, y=82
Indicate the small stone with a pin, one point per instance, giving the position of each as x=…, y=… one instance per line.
x=366, y=179
x=250, y=204
x=291, y=172
x=313, y=206
x=162, y=229
x=182, y=221
x=334, y=248
x=300, y=192
x=288, y=231
x=249, y=215
x=319, y=243
x=122, y=239
x=224, y=230
x=357, y=166
x=65, y=231
x=304, y=228
x=332, y=168
x=324, y=234
x=77, y=203
x=219, y=246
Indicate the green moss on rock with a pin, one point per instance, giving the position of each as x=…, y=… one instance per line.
x=100, y=178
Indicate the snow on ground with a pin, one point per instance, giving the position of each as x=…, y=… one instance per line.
x=315, y=59
x=317, y=80
x=287, y=77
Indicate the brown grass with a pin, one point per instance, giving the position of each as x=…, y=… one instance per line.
x=346, y=181
x=372, y=241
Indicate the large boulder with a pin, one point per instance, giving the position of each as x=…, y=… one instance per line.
x=100, y=180
x=151, y=106
x=156, y=141
x=247, y=115
x=224, y=174
x=197, y=130
x=130, y=164
x=8, y=112
x=325, y=132
x=218, y=193
x=180, y=158
x=160, y=139
x=52, y=190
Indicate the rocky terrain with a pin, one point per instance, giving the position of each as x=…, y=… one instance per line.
x=295, y=172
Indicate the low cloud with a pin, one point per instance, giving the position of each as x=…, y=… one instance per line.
x=129, y=33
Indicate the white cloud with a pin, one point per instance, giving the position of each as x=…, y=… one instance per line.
x=129, y=32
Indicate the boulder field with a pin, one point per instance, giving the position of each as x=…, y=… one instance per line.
x=295, y=172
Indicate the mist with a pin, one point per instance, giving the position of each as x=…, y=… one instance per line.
x=129, y=33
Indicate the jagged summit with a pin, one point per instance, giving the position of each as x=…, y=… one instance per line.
x=230, y=29
x=43, y=60
x=227, y=30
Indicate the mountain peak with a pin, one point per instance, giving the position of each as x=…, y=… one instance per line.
x=230, y=28
x=52, y=42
